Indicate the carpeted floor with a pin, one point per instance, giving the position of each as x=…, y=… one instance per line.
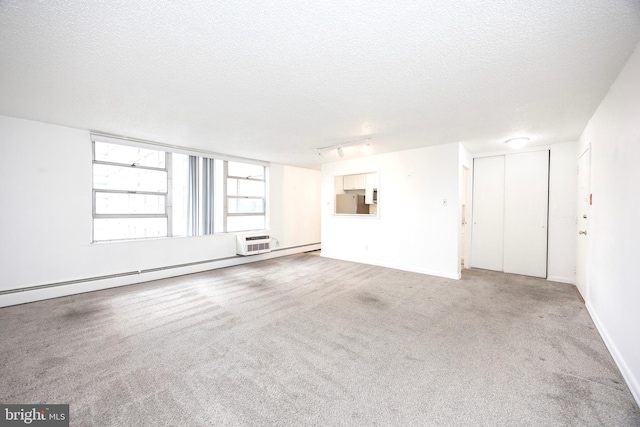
x=306, y=340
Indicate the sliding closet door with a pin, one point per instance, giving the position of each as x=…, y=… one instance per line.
x=488, y=213
x=526, y=197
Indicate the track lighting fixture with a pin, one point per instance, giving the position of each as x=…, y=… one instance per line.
x=340, y=150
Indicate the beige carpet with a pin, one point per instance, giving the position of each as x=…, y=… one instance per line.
x=305, y=340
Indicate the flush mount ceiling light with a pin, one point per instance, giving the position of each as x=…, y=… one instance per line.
x=517, y=142
x=340, y=150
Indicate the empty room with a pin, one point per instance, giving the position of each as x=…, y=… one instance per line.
x=330, y=213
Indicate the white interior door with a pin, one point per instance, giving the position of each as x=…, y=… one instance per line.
x=487, y=235
x=584, y=173
x=526, y=195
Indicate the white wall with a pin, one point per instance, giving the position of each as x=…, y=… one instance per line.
x=45, y=220
x=294, y=205
x=414, y=231
x=613, y=275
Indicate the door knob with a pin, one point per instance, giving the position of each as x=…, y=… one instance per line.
x=583, y=232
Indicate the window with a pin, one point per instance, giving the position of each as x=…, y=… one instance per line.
x=246, y=202
x=143, y=191
x=130, y=192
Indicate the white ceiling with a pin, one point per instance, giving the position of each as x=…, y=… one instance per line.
x=272, y=80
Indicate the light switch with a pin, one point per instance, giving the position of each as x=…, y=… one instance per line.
x=444, y=202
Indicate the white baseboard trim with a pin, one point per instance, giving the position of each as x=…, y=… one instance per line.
x=43, y=292
x=629, y=377
x=454, y=276
x=561, y=279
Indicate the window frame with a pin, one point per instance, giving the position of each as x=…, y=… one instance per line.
x=166, y=194
x=244, y=214
x=168, y=150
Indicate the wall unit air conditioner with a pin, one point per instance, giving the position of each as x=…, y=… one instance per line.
x=252, y=244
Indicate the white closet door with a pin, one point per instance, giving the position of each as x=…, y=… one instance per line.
x=525, y=213
x=487, y=237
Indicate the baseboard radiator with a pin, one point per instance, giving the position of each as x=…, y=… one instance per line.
x=299, y=249
x=253, y=244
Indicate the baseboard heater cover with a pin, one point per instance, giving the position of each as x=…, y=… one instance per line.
x=136, y=273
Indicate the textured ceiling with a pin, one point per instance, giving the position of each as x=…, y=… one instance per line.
x=273, y=80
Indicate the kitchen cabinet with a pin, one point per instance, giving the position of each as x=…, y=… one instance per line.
x=354, y=182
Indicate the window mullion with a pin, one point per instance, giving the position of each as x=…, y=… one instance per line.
x=103, y=216
x=168, y=202
x=247, y=178
x=265, y=204
x=225, y=212
x=142, y=193
x=131, y=166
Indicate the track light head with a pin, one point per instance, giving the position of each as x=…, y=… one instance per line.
x=340, y=150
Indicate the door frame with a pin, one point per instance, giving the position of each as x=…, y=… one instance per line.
x=582, y=256
x=465, y=223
